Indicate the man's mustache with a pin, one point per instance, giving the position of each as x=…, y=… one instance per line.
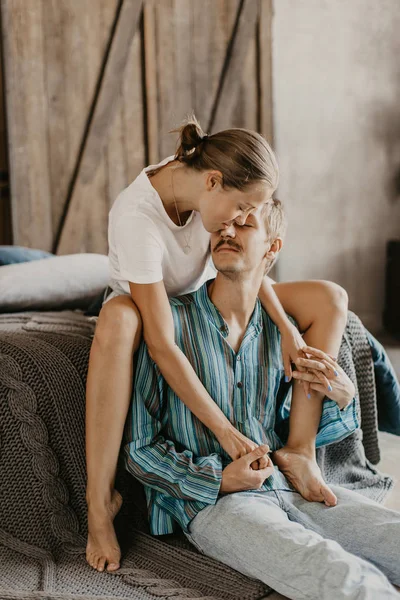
x=227, y=243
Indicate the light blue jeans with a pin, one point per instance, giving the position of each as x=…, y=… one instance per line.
x=305, y=549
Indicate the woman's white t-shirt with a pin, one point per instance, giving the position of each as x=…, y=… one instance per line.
x=146, y=246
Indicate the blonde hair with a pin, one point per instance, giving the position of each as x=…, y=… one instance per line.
x=243, y=156
x=275, y=223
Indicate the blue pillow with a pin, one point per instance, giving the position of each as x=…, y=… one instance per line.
x=387, y=388
x=19, y=254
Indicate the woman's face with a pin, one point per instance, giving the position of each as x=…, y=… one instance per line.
x=220, y=207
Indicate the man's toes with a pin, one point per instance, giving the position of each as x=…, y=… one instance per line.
x=114, y=566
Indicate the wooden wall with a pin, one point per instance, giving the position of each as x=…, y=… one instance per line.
x=93, y=86
x=5, y=212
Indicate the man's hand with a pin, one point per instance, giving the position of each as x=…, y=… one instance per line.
x=239, y=475
x=236, y=445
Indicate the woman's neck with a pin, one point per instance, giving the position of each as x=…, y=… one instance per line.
x=174, y=183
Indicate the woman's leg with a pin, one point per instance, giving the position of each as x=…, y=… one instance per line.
x=320, y=309
x=108, y=393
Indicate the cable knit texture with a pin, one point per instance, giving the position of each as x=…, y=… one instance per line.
x=43, y=520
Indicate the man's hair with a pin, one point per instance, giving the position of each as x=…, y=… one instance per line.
x=275, y=223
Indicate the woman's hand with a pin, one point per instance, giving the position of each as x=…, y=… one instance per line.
x=237, y=445
x=293, y=345
x=326, y=376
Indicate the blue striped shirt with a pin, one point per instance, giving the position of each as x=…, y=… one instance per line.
x=170, y=451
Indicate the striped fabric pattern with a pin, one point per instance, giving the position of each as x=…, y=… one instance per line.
x=170, y=451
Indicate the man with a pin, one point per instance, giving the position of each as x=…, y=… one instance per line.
x=251, y=518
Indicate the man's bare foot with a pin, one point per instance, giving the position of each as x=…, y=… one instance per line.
x=102, y=545
x=304, y=474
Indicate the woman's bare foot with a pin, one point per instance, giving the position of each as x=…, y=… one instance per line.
x=102, y=545
x=304, y=474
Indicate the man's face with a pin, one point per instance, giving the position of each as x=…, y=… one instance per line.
x=241, y=248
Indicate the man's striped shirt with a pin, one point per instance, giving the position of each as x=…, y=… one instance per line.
x=170, y=451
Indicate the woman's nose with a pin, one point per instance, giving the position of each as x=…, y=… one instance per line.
x=241, y=219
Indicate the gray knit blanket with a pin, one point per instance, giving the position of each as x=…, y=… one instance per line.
x=43, y=521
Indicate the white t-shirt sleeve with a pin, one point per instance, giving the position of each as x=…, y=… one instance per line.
x=139, y=249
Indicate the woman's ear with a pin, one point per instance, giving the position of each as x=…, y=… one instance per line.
x=274, y=249
x=213, y=179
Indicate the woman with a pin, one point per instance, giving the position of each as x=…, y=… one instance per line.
x=159, y=228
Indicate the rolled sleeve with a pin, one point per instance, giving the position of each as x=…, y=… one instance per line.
x=336, y=424
x=178, y=474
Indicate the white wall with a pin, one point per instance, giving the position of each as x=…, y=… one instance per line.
x=336, y=80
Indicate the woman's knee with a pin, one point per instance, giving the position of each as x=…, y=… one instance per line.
x=119, y=320
x=334, y=298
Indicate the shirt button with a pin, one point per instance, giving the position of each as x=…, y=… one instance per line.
x=238, y=358
x=240, y=384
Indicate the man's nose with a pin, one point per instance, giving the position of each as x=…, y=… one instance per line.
x=229, y=230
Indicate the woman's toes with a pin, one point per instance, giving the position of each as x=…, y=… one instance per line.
x=100, y=564
x=328, y=496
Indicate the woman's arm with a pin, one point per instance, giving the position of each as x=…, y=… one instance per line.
x=292, y=342
x=320, y=309
x=159, y=335
x=317, y=305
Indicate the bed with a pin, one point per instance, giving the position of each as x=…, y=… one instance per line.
x=43, y=524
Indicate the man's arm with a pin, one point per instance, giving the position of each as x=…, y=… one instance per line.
x=152, y=459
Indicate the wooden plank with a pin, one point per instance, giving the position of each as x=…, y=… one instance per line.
x=185, y=71
x=5, y=208
x=214, y=21
x=167, y=92
x=106, y=104
x=151, y=81
x=27, y=120
x=103, y=114
x=265, y=70
x=224, y=104
x=93, y=193
x=133, y=120
x=70, y=65
x=245, y=113
x=3, y=132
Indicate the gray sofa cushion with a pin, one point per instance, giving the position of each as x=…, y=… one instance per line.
x=43, y=520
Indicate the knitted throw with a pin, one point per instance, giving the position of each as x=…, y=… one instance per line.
x=43, y=521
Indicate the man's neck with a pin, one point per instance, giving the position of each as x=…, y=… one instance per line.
x=235, y=297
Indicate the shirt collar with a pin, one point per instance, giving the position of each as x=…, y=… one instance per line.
x=202, y=299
